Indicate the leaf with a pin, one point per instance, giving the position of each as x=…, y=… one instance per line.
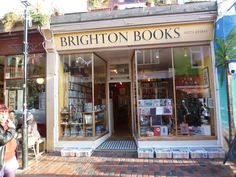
x=222, y=75
x=225, y=51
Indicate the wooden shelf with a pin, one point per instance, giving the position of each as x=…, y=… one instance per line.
x=86, y=138
x=72, y=124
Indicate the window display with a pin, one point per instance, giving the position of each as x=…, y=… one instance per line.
x=155, y=104
x=83, y=96
x=178, y=103
x=194, y=92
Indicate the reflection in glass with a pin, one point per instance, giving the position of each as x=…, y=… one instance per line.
x=100, y=105
x=83, y=93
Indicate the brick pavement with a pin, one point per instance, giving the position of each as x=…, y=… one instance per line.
x=124, y=164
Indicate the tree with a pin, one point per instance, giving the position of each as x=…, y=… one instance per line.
x=225, y=51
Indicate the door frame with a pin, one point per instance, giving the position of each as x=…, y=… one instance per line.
x=111, y=117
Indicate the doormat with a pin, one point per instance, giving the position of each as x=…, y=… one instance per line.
x=126, y=145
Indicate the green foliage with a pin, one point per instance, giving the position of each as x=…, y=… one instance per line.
x=9, y=21
x=225, y=51
x=38, y=18
x=96, y=4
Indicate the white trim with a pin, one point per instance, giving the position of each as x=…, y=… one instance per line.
x=82, y=144
x=218, y=123
x=202, y=143
x=160, y=20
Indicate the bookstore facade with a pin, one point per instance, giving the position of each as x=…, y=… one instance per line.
x=154, y=83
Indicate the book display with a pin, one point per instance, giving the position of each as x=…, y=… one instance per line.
x=83, y=113
x=156, y=117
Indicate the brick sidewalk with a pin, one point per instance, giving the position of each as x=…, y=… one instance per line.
x=121, y=164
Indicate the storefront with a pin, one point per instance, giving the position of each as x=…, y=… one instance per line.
x=11, y=58
x=141, y=73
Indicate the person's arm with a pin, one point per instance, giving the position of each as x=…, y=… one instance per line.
x=8, y=134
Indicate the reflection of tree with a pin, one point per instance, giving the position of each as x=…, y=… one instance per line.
x=33, y=93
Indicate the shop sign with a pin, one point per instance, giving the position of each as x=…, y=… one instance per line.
x=135, y=36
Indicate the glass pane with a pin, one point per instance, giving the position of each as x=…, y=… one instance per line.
x=100, y=105
x=76, y=95
x=194, y=97
x=36, y=65
x=119, y=71
x=155, y=93
x=14, y=67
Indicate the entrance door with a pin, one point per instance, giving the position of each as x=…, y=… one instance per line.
x=120, y=96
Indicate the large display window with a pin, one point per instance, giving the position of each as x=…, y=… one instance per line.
x=155, y=93
x=82, y=96
x=194, y=91
x=175, y=92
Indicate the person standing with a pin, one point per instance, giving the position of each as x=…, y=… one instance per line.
x=12, y=116
x=8, y=161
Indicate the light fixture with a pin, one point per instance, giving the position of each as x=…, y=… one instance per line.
x=25, y=3
x=40, y=81
x=157, y=53
x=149, y=79
x=121, y=83
x=185, y=52
x=114, y=71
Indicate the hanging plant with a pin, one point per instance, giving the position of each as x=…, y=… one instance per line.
x=225, y=51
x=38, y=18
x=96, y=4
x=9, y=21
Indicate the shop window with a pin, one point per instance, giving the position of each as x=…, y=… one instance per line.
x=36, y=97
x=100, y=81
x=196, y=57
x=35, y=66
x=194, y=97
x=119, y=72
x=82, y=96
x=175, y=94
x=155, y=93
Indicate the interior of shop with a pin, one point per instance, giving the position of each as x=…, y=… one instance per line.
x=120, y=97
x=170, y=88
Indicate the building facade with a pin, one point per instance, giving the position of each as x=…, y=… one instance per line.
x=12, y=70
x=146, y=73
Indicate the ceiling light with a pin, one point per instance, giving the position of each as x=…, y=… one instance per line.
x=157, y=53
x=40, y=81
x=185, y=52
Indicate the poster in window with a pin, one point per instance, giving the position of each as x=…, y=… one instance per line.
x=205, y=77
x=184, y=129
x=196, y=59
x=12, y=99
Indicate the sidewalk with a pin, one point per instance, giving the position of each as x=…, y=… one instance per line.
x=121, y=164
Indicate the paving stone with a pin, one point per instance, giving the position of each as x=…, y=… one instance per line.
x=48, y=165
